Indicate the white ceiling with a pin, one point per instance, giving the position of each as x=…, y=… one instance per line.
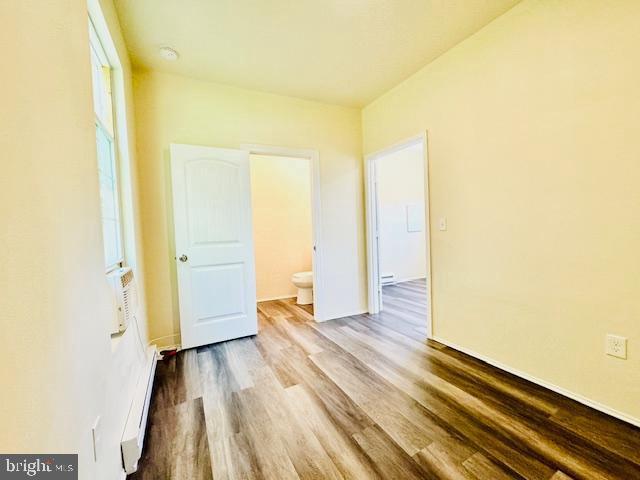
x=346, y=52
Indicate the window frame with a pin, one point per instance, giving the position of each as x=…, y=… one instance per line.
x=96, y=45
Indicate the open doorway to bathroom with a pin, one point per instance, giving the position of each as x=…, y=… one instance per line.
x=398, y=233
x=285, y=209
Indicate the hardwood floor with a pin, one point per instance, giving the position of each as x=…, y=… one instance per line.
x=306, y=308
x=367, y=397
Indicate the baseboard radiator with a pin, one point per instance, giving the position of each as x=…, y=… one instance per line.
x=387, y=279
x=133, y=437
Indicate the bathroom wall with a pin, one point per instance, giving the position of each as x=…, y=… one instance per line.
x=401, y=188
x=282, y=234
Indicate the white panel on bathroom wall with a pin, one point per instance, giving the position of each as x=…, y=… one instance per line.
x=415, y=217
x=213, y=198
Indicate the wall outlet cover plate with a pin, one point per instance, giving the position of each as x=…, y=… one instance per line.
x=616, y=346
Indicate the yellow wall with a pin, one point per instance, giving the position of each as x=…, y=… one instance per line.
x=59, y=368
x=171, y=108
x=282, y=235
x=534, y=161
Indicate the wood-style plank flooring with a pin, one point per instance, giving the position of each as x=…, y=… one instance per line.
x=367, y=397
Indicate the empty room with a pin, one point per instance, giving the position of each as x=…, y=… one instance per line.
x=341, y=239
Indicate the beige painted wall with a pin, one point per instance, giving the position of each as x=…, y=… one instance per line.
x=282, y=235
x=59, y=368
x=172, y=108
x=400, y=180
x=533, y=160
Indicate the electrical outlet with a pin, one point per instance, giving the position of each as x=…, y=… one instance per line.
x=616, y=346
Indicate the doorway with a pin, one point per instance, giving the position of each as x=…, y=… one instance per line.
x=282, y=230
x=398, y=241
x=214, y=249
x=286, y=224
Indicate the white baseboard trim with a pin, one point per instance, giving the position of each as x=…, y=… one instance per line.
x=543, y=383
x=282, y=297
x=342, y=315
x=168, y=341
x=410, y=279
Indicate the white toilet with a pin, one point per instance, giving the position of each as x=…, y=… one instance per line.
x=304, y=282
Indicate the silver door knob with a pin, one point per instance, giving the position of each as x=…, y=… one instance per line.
x=183, y=258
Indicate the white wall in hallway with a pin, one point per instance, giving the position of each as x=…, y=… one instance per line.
x=401, y=189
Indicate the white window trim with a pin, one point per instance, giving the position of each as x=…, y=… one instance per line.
x=94, y=39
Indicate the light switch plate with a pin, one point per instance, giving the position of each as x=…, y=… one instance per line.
x=442, y=224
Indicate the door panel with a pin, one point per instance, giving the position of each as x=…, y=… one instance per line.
x=214, y=192
x=218, y=292
x=214, y=244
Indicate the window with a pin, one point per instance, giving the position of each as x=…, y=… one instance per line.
x=101, y=73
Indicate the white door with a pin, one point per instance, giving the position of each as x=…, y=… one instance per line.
x=214, y=244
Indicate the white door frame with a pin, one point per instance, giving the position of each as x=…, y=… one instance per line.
x=316, y=218
x=372, y=220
